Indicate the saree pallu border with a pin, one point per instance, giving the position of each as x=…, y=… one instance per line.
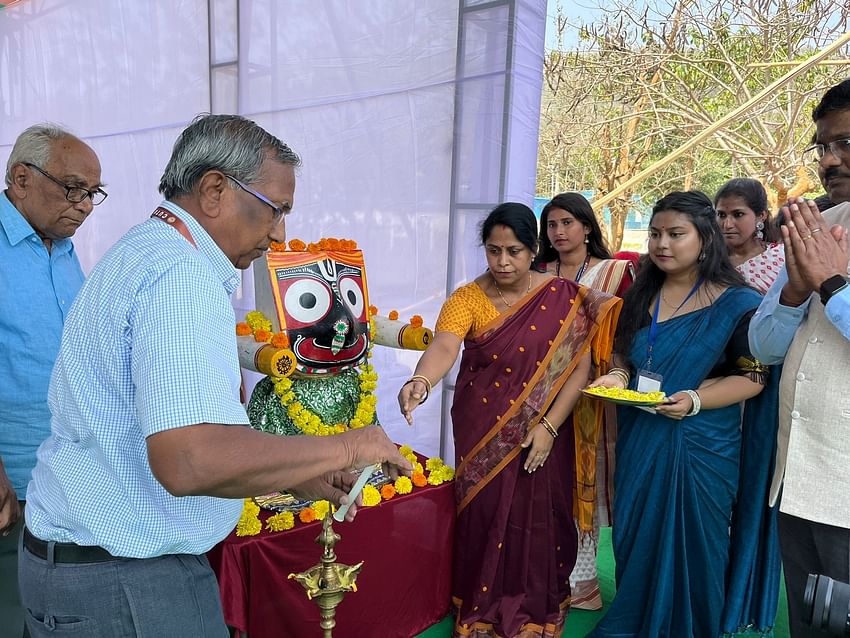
x=556, y=344
x=594, y=453
x=528, y=630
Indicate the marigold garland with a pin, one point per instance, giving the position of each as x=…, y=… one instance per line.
x=250, y=524
x=242, y=329
x=306, y=420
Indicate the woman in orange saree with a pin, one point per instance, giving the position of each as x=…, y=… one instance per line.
x=529, y=340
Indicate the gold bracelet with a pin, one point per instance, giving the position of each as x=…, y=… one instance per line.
x=621, y=372
x=549, y=428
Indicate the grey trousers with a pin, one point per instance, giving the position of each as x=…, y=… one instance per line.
x=807, y=548
x=11, y=612
x=172, y=596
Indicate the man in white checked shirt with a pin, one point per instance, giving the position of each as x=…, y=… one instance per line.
x=149, y=454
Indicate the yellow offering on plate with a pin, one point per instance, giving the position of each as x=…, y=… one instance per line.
x=626, y=397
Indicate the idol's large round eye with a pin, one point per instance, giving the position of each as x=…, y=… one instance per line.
x=307, y=301
x=352, y=295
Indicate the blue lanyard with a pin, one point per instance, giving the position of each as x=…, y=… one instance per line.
x=653, y=326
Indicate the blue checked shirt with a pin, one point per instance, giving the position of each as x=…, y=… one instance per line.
x=36, y=292
x=149, y=345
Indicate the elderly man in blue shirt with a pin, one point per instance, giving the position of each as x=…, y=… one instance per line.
x=52, y=182
x=150, y=453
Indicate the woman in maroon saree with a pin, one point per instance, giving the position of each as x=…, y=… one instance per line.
x=529, y=341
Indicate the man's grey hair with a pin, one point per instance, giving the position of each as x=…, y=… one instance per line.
x=33, y=146
x=231, y=144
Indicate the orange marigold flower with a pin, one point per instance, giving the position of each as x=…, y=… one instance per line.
x=307, y=515
x=393, y=315
x=416, y=321
x=373, y=310
x=323, y=243
x=313, y=247
x=243, y=329
x=419, y=479
x=277, y=247
x=334, y=244
x=296, y=245
x=280, y=340
x=262, y=336
x=387, y=491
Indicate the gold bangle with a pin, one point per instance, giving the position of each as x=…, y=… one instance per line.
x=549, y=428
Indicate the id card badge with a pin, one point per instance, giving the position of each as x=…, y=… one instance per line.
x=648, y=382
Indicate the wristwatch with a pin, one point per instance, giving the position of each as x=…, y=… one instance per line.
x=832, y=286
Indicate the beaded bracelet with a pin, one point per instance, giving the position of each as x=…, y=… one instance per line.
x=697, y=404
x=549, y=428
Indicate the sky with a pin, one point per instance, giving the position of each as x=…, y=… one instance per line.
x=576, y=11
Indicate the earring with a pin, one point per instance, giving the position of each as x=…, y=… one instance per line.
x=760, y=230
x=702, y=256
x=586, y=240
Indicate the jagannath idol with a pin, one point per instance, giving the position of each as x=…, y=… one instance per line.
x=312, y=335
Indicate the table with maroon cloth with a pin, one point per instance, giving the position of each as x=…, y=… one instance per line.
x=403, y=588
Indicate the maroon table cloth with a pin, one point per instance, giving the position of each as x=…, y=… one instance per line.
x=403, y=588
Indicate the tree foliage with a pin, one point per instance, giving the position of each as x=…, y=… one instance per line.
x=644, y=79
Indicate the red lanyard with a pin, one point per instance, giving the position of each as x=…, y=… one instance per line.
x=165, y=215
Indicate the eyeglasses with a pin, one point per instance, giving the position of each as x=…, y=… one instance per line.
x=74, y=194
x=278, y=212
x=840, y=149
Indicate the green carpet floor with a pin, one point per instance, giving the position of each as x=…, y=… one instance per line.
x=579, y=623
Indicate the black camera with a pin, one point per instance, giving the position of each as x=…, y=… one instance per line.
x=826, y=604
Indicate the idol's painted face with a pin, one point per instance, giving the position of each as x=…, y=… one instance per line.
x=322, y=307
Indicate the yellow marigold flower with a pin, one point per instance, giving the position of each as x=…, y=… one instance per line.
x=435, y=478
x=371, y=496
x=405, y=449
x=433, y=463
x=403, y=485
x=249, y=522
x=321, y=508
x=307, y=515
x=280, y=522
x=417, y=467
x=250, y=506
x=446, y=472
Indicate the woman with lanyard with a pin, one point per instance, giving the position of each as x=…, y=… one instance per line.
x=572, y=247
x=685, y=473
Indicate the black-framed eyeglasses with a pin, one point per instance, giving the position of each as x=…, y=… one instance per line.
x=74, y=194
x=840, y=149
x=278, y=212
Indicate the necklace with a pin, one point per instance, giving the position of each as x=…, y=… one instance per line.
x=676, y=308
x=499, y=290
x=580, y=270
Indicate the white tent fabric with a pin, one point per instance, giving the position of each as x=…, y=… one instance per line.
x=413, y=120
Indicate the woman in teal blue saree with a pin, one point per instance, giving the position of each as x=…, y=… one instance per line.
x=694, y=540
